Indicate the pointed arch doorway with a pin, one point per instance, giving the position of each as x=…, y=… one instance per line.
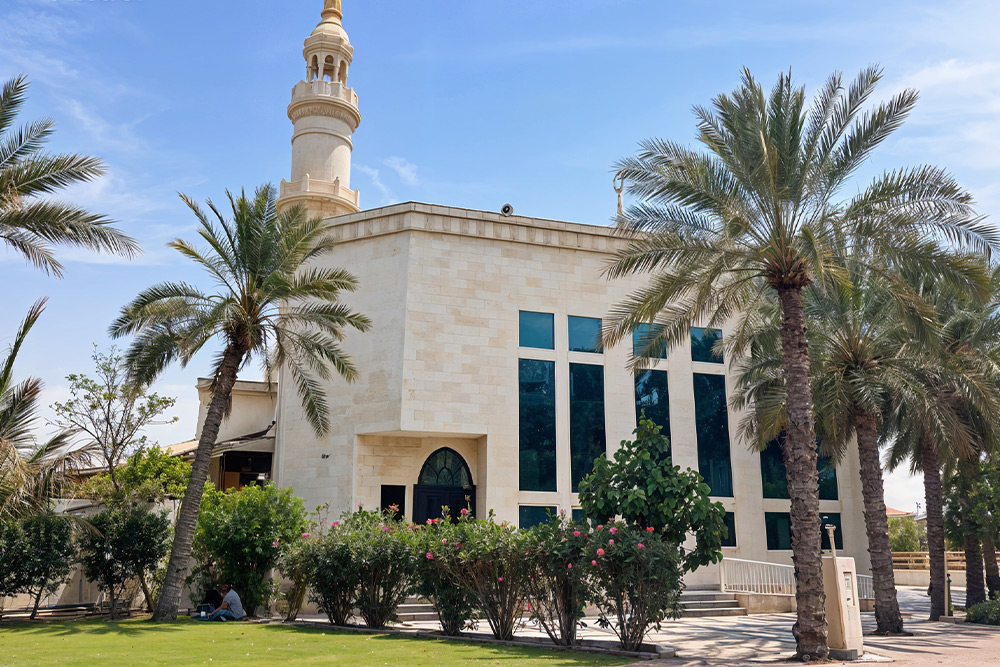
x=444, y=480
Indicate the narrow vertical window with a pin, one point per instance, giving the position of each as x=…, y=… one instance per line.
x=529, y=516
x=730, y=539
x=536, y=330
x=775, y=481
x=653, y=399
x=703, y=345
x=712, y=423
x=585, y=334
x=778, y=530
x=642, y=340
x=537, y=424
x=586, y=419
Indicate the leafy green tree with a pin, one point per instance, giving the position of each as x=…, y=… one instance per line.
x=759, y=215
x=151, y=474
x=905, y=535
x=275, y=300
x=31, y=223
x=110, y=411
x=48, y=557
x=642, y=486
x=32, y=475
x=243, y=534
x=128, y=542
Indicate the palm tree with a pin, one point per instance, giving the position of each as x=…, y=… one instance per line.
x=32, y=476
x=953, y=420
x=30, y=224
x=861, y=364
x=274, y=300
x=757, y=216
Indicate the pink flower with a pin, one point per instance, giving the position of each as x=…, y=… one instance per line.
x=614, y=530
x=465, y=511
x=576, y=533
x=458, y=545
x=600, y=528
x=499, y=578
x=569, y=566
x=430, y=556
x=526, y=553
x=611, y=542
x=444, y=540
x=305, y=535
x=334, y=524
x=600, y=552
x=641, y=545
x=385, y=527
x=275, y=543
x=650, y=529
x=593, y=562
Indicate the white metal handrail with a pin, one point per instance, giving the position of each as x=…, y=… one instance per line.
x=866, y=587
x=757, y=577
x=763, y=578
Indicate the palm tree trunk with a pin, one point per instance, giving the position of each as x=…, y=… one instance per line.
x=187, y=517
x=992, y=568
x=887, y=617
x=975, y=587
x=799, y=453
x=933, y=497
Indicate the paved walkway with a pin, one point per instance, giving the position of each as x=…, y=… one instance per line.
x=736, y=640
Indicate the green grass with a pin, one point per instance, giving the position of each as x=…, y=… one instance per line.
x=146, y=644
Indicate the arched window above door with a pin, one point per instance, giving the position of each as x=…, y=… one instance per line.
x=445, y=467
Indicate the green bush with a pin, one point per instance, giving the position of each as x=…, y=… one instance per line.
x=127, y=543
x=242, y=534
x=382, y=548
x=36, y=556
x=454, y=604
x=637, y=579
x=558, y=587
x=489, y=560
x=333, y=575
x=986, y=613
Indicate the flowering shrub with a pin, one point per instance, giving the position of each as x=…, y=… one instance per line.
x=558, y=586
x=332, y=573
x=453, y=603
x=489, y=560
x=636, y=579
x=646, y=490
x=384, y=558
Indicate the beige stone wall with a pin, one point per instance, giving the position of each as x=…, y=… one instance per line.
x=253, y=408
x=444, y=287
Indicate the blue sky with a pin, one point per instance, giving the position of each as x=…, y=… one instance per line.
x=470, y=103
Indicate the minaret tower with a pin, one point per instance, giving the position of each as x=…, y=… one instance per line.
x=324, y=113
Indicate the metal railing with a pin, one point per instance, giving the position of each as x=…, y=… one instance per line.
x=866, y=587
x=761, y=578
x=757, y=577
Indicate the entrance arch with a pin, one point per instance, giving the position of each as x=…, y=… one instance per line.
x=444, y=480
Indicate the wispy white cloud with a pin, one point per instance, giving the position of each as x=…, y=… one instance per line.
x=387, y=196
x=406, y=170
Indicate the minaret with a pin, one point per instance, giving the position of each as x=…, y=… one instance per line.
x=324, y=113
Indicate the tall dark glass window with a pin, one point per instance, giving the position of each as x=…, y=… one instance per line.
x=778, y=526
x=642, y=336
x=712, y=423
x=529, y=516
x=585, y=334
x=730, y=539
x=536, y=330
x=579, y=516
x=537, y=425
x=586, y=418
x=702, y=344
x=652, y=397
x=775, y=481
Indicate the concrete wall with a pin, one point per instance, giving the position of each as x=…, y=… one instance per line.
x=922, y=578
x=443, y=287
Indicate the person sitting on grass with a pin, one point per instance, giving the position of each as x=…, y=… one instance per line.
x=231, y=608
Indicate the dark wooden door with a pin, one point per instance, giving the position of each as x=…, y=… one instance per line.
x=428, y=501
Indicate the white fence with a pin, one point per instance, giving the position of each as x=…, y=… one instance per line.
x=761, y=578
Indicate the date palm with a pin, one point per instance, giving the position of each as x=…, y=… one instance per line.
x=861, y=346
x=32, y=476
x=273, y=299
x=760, y=214
x=30, y=223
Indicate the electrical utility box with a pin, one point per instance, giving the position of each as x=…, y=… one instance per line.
x=843, y=608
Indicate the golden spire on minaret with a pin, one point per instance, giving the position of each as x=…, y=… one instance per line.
x=334, y=7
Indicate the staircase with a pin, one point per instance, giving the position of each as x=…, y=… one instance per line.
x=697, y=603
x=413, y=610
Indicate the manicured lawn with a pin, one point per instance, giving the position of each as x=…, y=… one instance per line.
x=127, y=643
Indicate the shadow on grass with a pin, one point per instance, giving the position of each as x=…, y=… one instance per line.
x=126, y=627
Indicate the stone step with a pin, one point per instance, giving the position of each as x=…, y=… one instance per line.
x=411, y=607
x=710, y=604
x=409, y=617
x=705, y=596
x=698, y=613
